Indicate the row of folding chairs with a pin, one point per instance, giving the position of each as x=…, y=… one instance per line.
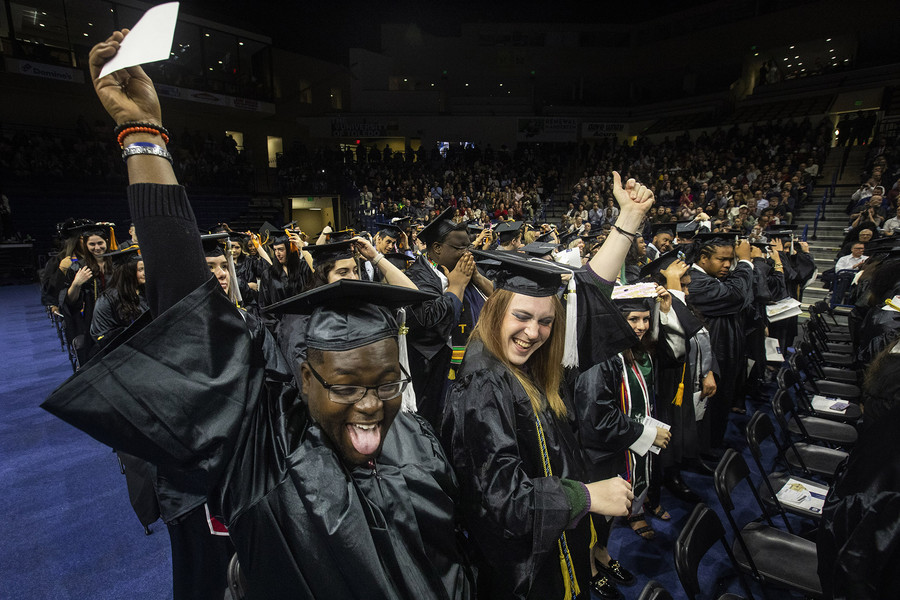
x=811, y=449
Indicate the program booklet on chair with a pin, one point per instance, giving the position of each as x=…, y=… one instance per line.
x=802, y=495
x=829, y=405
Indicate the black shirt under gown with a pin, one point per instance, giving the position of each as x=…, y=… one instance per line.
x=203, y=393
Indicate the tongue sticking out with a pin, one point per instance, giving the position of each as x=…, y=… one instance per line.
x=365, y=441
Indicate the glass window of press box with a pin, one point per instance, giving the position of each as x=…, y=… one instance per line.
x=204, y=57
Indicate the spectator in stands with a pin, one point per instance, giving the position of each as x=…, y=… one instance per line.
x=854, y=260
x=892, y=225
x=872, y=211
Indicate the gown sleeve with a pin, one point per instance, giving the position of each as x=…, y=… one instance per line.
x=716, y=298
x=104, y=320
x=604, y=428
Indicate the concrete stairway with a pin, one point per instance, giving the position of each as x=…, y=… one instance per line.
x=830, y=230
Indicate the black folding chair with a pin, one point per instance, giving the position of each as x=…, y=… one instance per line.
x=701, y=532
x=810, y=429
x=788, y=381
x=800, y=366
x=654, y=591
x=823, y=371
x=759, y=429
x=773, y=556
x=237, y=585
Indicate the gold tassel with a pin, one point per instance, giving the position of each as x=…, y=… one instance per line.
x=112, y=240
x=679, y=395
x=594, y=538
x=568, y=582
x=452, y=375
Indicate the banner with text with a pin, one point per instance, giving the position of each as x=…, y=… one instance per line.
x=36, y=69
x=170, y=91
x=601, y=130
x=546, y=129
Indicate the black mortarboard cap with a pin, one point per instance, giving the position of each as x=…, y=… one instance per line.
x=662, y=262
x=399, y=260
x=762, y=245
x=686, y=229
x=657, y=228
x=349, y=314
x=323, y=253
x=474, y=227
x=276, y=235
x=783, y=227
x=507, y=231
x=545, y=237
x=778, y=232
x=71, y=227
x=212, y=243
x=123, y=257
x=343, y=235
x=91, y=228
x=538, y=249
x=439, y=227
x=631, y=303
x=719, y=238
x=393, y=229
x=567, y=238
x=517, y=273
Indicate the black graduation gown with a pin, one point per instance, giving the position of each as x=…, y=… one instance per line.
x=107, y=321
x=52, y=282
x=859, y=535
x=430, y=325
x=878, y=329
x=213, y=400
x=722, y=304
x=248, y=268
x=514, y=515
x=670, y=371
x=79, y=314
x=601, y=331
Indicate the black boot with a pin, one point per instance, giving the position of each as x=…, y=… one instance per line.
x=678, y=487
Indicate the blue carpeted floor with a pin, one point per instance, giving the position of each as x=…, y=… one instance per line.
x=70, y=532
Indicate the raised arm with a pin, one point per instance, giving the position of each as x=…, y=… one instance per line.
x=164, y=221
x=634, y=201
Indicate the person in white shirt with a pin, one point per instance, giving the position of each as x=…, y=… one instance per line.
x=892, y=225
x=852, y=260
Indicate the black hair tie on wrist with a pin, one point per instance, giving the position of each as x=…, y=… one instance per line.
x=128, y=124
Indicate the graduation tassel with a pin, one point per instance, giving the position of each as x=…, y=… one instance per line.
x=408, y=402
x=112, y=240
x=570, y=353
x=679, y=394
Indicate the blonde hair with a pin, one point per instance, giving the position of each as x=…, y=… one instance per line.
x=544, y=365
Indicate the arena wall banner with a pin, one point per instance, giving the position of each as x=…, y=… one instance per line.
x=546, y=129
x=36, y=69
x=360, y=127
x=591, y=130
x=170, y=91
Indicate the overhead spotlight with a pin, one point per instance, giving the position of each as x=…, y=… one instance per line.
x=432, y=85
x=501, y=85
x=796, y=57
x=206, y=34
x=467, y=85
x=756, y=54
x=240, y=43
x=785, y=58
x=789, y=66
x=800, y=64
x=832, y=50
x=828, y=40
x=792, y=47
x=90, y=24
x=84, y=34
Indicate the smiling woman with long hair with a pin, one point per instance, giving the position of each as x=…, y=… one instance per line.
x=508, y=432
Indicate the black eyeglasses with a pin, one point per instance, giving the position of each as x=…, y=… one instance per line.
x=351, y=394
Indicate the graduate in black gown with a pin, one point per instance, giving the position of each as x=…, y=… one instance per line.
x=124, y=301
x=85, y=281
x=438, y=329
x=509, y=430
x=859, y=535
x=721, y=295
x=334, y=496
x=678, y=375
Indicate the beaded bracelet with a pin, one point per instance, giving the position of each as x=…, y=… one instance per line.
x=625, y=233
x=122, y=126
x=129, y=130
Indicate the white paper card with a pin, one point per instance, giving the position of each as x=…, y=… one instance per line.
x=773, y=351
x=829, y=405
x=150, y=40
x=804, y=496
x=699, y=405
x=651, y=422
